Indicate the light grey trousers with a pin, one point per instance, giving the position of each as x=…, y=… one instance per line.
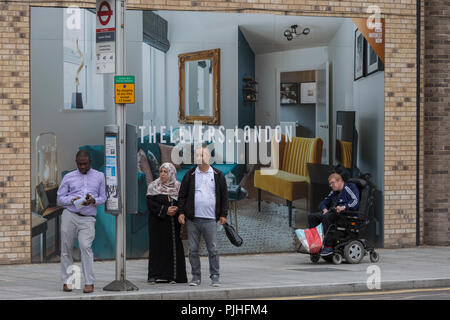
x=195, y=229
x=75, y=227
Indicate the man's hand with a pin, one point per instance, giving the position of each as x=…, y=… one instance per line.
x=89, y=200
x=172, y=210
x=181, y=219
x=222, y=220
x=75, y=199
x=340, y=208
x=324, y=211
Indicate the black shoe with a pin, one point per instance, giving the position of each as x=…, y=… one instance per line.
x=151, y=280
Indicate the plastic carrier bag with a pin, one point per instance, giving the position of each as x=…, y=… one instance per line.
x=311, y=239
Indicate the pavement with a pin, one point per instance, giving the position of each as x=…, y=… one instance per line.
x=245, y=277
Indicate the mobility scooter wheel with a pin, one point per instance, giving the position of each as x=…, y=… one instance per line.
x=354, y=252
x=337, y=258
x=314, y=258
x=374, y=257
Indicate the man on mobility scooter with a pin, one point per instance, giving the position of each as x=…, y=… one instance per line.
x=343, y=198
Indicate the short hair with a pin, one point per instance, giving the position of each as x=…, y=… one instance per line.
x=335, y=176
x=204, y=145
x=83, y=154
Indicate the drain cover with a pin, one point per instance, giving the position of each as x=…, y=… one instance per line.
x=318, y=269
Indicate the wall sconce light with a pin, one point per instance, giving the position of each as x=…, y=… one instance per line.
x=291, y=34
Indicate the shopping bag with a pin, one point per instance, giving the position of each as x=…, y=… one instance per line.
x=310, y=239
x=232, y=235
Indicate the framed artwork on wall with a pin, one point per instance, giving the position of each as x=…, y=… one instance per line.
x=289, y=93
x=358, y=55
x=307, y=92
x=373, y=62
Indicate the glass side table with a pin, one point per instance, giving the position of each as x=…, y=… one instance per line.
x=235, y=193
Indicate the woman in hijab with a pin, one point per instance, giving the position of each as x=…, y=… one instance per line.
x=166, y=254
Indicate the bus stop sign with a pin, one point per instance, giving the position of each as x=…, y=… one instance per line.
x=124, y=89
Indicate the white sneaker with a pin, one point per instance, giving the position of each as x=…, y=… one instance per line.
x=195, y=282
x=215, y=281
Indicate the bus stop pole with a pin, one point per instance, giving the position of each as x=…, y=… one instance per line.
x=120, y=283
x=120, y=121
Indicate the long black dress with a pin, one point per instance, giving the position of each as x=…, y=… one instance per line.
x=166, y=254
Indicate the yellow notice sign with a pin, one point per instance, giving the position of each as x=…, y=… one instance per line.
x=124, y=89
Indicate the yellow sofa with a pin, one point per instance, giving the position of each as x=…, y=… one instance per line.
x=291, y=181
x=345, y=156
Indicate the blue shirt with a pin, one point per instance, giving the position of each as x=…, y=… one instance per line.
x=349, y=198
x=75, y=184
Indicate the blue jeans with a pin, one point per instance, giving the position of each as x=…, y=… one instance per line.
x=207, y=228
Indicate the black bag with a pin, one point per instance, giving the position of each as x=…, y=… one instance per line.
x=232, y=235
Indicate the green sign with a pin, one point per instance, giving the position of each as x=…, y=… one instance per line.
x=123, y=79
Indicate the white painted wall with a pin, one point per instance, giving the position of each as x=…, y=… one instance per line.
x=154, y=86
x=365, y=96
x=73, y=128
x=196, y=31
x=267, y=67
x=134, y=38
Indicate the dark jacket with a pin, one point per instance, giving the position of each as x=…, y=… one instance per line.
x=186, y=195
x=158, y=205
x=349, y=197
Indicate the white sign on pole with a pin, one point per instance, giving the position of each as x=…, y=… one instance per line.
x=112, y=183
x=106, y=36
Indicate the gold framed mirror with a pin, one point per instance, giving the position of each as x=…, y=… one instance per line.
x=199, y=87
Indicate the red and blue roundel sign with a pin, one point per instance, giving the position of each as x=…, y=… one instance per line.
x=104, y=13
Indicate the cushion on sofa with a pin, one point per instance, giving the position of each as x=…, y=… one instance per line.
x=146, y=145
x=144, y=166
x=154, y=164
x=283, y=184
x=291, y=181
x=299, y=152
x=166, y=154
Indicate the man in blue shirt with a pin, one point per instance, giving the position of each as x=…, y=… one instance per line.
x=343, y=197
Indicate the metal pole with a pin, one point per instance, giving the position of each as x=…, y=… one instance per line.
x=121, y=284
x=121, y=121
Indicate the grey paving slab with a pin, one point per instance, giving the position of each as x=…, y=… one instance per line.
x=243, y=276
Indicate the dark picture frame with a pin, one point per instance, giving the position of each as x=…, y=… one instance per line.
x=359, y=49
x=373, y=63
x=289, y=93
x=43, y=199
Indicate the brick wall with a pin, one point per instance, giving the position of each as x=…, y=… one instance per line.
x=15, y=194
x=437, y=123
x=400, y=108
